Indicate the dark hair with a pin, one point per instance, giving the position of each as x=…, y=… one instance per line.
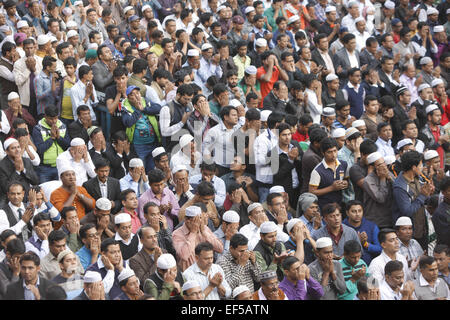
x=148, y=205
x=41, y=216
x=65, y=210
x=252, y=114
x=219, y=88
x=352, y=71
x=410, y=159
x=385, y=58
x=20, y=132
x=61, y=46
x=329, y=208
x=381, y=125
x=205, y=17
x=70, y=61
x=225, y=111
x=232, y=186
x=352, y=203
x=238, y=240
x=392, y=266
x=349, y=36
x=120, y=71
x=441, y=248
x=30, y=256
x=81, y=108
x=92, y=34
x=327, y=143
x=46, y=62
x=185, y=13
x=123, y=195
x=274, y=118
x=205, y=188
x=445, y=183
x=222, y=44
x=286, y=54
x=352, y=246
x=208, y=166
x=250, y=96
x=317, y=135
x=284, y=126
x=291, y=120
x=288, y=262
x=17, y=122
x=155, y=175
x=196, y=98
x=110, y=27
x=425, y=261
x=185, y=90
x=55, y=292
x=196, y=31
x=305, y=119
x=203, y=246
x=107, y=243
x=84, y=228
x=404, y=31
x=165, y=41
x=382, y=234
x=369, y=98
x=139, y=65
x=101, y=163
x=83, y=70
x=56, y=235
x=51, y=111
x=370, y=40
x=6, y=234
x=15, y=246
x=161, y=73
x=272, y=196
x=361, y=285
x=90, y=10
x=14, y=183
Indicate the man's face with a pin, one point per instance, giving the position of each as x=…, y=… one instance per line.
x=331, y=16
x=163, y=163
x=239, y=251
x=90, y=234
x=355, y=213
x=442, y=260
x=294, y=271
x=185, y=99
x=405, y=98
x=372, y=107
x=352, y=258
x=149, y=237
x=134, y=97
x=288, y=63
x=194, y=294
x=253, y=103
x=269, y=238
x=205, y=259
x=29, y=49
x=355, y=78
x=343, y=112
x=132, y=286
x=404, y=233
x=277, y=205
x=435, y=117
x=113, y=252
x=430, y=272
x=232, y=118
x=29, y=271
x=92, y=17
x=217, y=31
x=71, y=217
x=333, y=85
x=45, y=225
x=148, y=13
x=389, y=43
x=391, y=245
x=16, y=194
x=258, y=216
x=428, y=68
x=57, y=247
x=69, y=178
x=53, y=27
x=113, y=33
x=306, y=54
x=328, y=120
x=331, y=155
x=246, y=295
x=106, y=54
x=439, y=89
x=85, y=116
x=334, y=220
x=361, y=26
x=171, y=27
x=131, y=201
x=69, y=263
x=395, y=279
x=14, y=104
x=434, y=163
x=283, y=42
x=232, y=81
x=411, y=131
x=102, y=173
x=207, y=175
x=168, y=49
x=325, y=254
x=386, y=133
x=285, y=137
x=259, y=23
x=311, y=211
x=426, y=94
x=351, y=45
x=158, y=187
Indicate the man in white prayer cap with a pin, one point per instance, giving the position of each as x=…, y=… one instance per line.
x=129, y=284
x=242, y=293
x=166, y=282
x=192, y=290
x=135, y=179
x=93, y=287
x=229, y=226
x=409, y=247
x=327, y=271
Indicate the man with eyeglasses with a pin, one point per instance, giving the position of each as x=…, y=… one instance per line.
x=90, y=250
x=269, y=288
x=192, y=291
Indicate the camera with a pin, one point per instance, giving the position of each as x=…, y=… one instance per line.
x=59, y=75
x=243, y=184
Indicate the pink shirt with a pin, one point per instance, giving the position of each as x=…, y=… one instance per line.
x=135, y=221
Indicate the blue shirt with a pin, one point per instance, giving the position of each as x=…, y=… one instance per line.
x=85, y=257
x=44, y=94
x=127, y=182
x=347, y=270
x=372, y=231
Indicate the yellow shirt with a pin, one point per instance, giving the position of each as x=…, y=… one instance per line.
x=241, y=65
x=66, y=105
x=157, y=49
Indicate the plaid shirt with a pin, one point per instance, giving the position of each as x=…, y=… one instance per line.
x=412, y=251
x=320, y=12
x=236, y=274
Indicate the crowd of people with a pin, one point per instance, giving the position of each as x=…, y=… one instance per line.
x=224, y=150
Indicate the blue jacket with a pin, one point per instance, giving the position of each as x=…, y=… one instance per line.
x=405, y=202
x=372, y=231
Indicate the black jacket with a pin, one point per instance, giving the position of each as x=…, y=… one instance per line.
x=77, y=130
x=284, y=177
x=271, y=102
x=8, y=173
x=15, y=290
x=113, y=185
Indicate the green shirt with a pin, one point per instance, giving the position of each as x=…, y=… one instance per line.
x=347, y=270
x=262, y=263
x=270, y=13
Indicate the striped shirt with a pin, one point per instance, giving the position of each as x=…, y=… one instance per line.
x=347, y=270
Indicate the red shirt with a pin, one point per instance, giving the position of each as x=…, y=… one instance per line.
x=297, y=136
x=436, y=134
x=338, y=236
x=446, y=106
x=266, y=86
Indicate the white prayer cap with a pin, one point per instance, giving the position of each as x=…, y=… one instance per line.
x=389, y=5
x=125, y=274
x=77, y=3
x=423, y=86
x=21, y=24
x=8, y=142
x=250, y=70
x=206, y=46
x=93, y=45
x=249, y=9
x=71, y=24
x=4, y=28
x=193, y=53
x=293, y=19
x=43, y=39
x=179, y=168
x=185, y=140
x=193, y=211
x=92, y=277
x=190, y=284
x=231, y=216
x=157, y=151
x=403, y=143
x=350, y=131
x=448, y=11
x=338, y=133
x=128, y=8
x=389, y=159
x=238, y=290
x=67, y=11
x=62, y=254
x=374, y=156
x=75, y=142
x=403, y=221
x=265, y=114
x=328, y=112
x=261, y=42
x=430, y=154
x=330, y=9
x=323, y=243
x=425, y=60
x=359, y=19
x=145, y=7
x=13, y=95
x=291, y=224
x=143, y=45
x=53, y=39
x=276, y=189
x=358, y=123
x=221, y=8
x=331, y=77
x=235, y=103
x=431, y=108
x=268, y=227
x=136, y=162
x=436, y=82
x=432, y=10
x=64, y=168
x=103, y=204
x=438, y=29
x=253, y=206
x=122, y=218
x=166, y=261
x=71, y=33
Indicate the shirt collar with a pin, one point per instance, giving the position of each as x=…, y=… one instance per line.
x=14, y=208
x=119, y=238
x=350, y=85
x=37, y=283
x=101, y=183
x=425, y=283
x=338, y=163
